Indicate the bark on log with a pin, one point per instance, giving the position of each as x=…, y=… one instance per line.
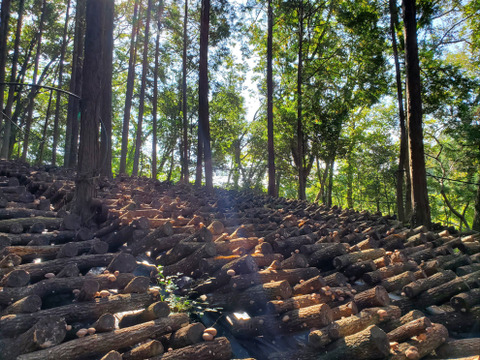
x=323, y=258
x=344, y=310
x=405, y=319
x=376, y=296
x=409, y=330
x=309, y=286
x=343, y=261
x=152, y=240
x=16, y=278
x=187, y=335
x=458, y=348
x=144, y=351
x=397, y=282
x=417, y=287
x=154, y=311
x=465, y=301
x=336, y=279
x=317, y=316
x=26, y=223
x=294, y=261
x=11, y=325
x=189, y=265
x=112, y=355
x=100, y=343
x=378, y=275
x=318, y=339
x=28, y=304
x=435, y=336
x=356, y=270
x=8, y=262
x=218, y=349
x=46, y=333
x=105, y=323
x=297, y=302
x=226, y=247
x=458, y=322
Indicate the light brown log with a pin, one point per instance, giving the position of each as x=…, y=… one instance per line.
x=415, y=288
x=187, y=335
x=297, y=302
x=376, y=296
x=90, y=346
x=11, y=325
x=397, y=282
x=145, y=351
x=343, y=261
x=435, y=336
x=344, y=310
x=309, y=286
x=218, y=349
x=409, y=330
x=315, y=316
x=226, y=247
x=318, y=339
x=405, y=319
x=154, y=311
x=112, y=355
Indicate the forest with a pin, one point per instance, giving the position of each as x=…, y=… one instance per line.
x=364, y=104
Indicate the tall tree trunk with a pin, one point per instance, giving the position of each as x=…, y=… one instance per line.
x=34, y=90
x=44, y=131
x=60, y=83
x=300, y=141
x=350, y=177
x=401, y=114
x=90, y=109
x=271, y=150
x=129, y=93
x=330, y=184
x=12, y=88
x=4, y=18
x=76, y=84
x=203, y=111
x=185, y=160
x=138, y=140
x=105, y=160
x=154, y=108
x=421, y=208
x=476, y=217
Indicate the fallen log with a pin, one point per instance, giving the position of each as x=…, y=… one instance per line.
x=397, y=282
x=90, y=346
x=315, y=316
x=15, y=278
x=409, y=330
x=187, y=335
x=218, y=349
x=416, y=287
x=376, y=296
x=460, y=348
x=28, y=304
x=405, y=319
x=152, y=312
x=465, y=301
x=144, y=351
x=188, y=265
x=343, y=261
x=297, y=302
x=309, y=286
x=25, y=223
x=323, y=258
x=459, y=322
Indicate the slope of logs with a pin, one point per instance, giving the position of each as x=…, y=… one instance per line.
x=341, y=283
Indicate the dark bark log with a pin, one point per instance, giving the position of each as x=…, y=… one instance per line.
x=465, y=301
x=458, y=348
x=154, y=311
x=434, y=338
x=28, y=304
x=396, y=283
x=343, y=261
x=188, y=265
x=405, y=319
x=417, y=287
x=158, y=239
x=187, y=335
x=26, y=223
x=218, y=349
x=376, y=296
x=324, y=257
x=15, y=279
x=271, y=151
x=105, y=323
x=144, y=351
x=93, y=345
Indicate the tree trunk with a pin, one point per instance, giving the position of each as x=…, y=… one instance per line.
x=90, y=108
x=302, y=180
x=4, y=18
x=44, y=132
x=138, y=140
x=203, y=107
x=271, y=150
x=185, y=172
x=129, y=94
x=34, y=90
x=476, y=217
x=401, y=114
x=421, y=208
x=11, y=89
x=154, y=108
x=71, y=131
x=60, y=83
x=105, y=159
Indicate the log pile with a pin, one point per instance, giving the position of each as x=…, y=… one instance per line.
x=351, y=282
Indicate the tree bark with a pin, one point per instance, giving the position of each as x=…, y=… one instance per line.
x=203, y=107
x=129, y=94
x=90, y=110
x=105, y=159
x=476, y=217
x=44, y=131
x=271, y=150
x=421, y=208
x=300, y=140
x=4, y=18
x=138, y=140
x=60, y=83
x=76, y=83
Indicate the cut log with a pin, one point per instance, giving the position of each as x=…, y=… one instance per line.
x=226, y=247
x=144, y=351
x=26, y=223
x=356, y=270
x=297, y=302
x=409, y=330
x=218, y=349
x=365, y=318
x=458, y=322
x=12, y=325
x=105, y=323
x=153, y=240
x=100, y=343
x=187, y=335
x=88, y=290
x=154, y=311
x=138, y=285
x=318, y=339
x=323, y=258
x=112, y=355
x=397, y=282
x=178, y=252
x=8, y=262
x=46, y=333
x=28, y=304
x=343, y=261
x=122, y=262
x=344, y=310
x=405, y=319
x=376, y=296
x=435, y=336
x=415, y=288
x=317, y=316
x=294, y=261
x=465, y=301
x=336, y=279
x=189, y=264
x=16, y=278
x=458, y=348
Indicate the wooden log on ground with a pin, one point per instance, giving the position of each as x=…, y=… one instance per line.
x=12, y=325
x=397, y=282
x=29, y=253
x=323, y=258
x=458, y=322
x=88, y=290
x=315, y=316
x=218, y=349
x=336, y=279
x=415, y=288
x=297, y=302
x=460, y=348
x=154, y=311
x=178, y=252
x=356, y=270
x=467, y=269
x=188, y=265
x=294, y=261
x=365, y=318
x=187, y=335
x=112, y=355
x=409, y=330
x=8, y=262
x=289, y=245
x=144, y=351
x=100, y=343
x=376, y=296
x=105, y=323
x=342, y=261
x=28, y=304
x=45, y=333
x=344, y=310
x=465, y=301
x=226, y=247
x=153, y=240
x=309, y=286
x=84, y=262
x=435, y=336
x=25, y=223
x=318, y=339
x=405, y=319
x=15, y=278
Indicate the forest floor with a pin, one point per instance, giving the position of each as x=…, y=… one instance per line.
x=275, y=278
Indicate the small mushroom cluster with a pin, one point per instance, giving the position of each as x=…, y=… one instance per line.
x=209, y=334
